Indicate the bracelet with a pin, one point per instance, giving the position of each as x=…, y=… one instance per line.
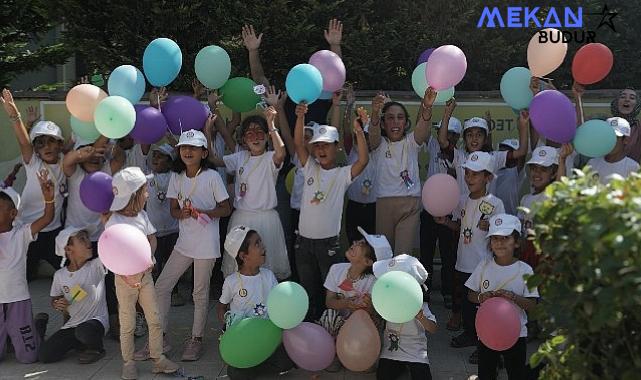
x=478, y=297
x=273, y=130
x=50, y=202
x=15, y=118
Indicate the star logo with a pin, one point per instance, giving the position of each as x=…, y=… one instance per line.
x=606, y=17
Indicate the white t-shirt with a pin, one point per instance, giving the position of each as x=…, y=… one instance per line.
x=569, y=161
x=135, y=157
x=530, y=201
x=605, y=169
x=322, y=219
x=394, y=158
x=436, y=163
x=84, y=289
x=257, y=176
x=363, y=188
x=406, y=342
x=158, y=205
x=204, y=191
x=472, y=244
x=460, y=156
x=257, y=288
x=299, y=181
x=489, y=276
x=13, y=263
x=338, y=283
x=140, y=221
x=508, y=187
x=77, y=214
x=32, y=204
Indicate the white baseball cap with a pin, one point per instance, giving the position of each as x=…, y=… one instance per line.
x=404, y=263
x=504, y=225
x=192, y=137
x=620, y=125
x=166, y=149
x=382, y=248
x=46, y=128
x=512, y=143
x=15, y=197
x=63, y=239
x=545, y=156
x=125, y=183
x=235, y=238
x=476, y=122
x=325, y=133
x=80, y=142
x=479, y=161
x=454, y=125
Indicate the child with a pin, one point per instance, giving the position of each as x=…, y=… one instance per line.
x=78, y=291
x=245, y=293
x=131, y=194
x=319, y=227
x=503, y=276
x=405, y=344
x=16, y=320
x=615, y=162
x=135, y=154
x=198, y=199
x=510, y=178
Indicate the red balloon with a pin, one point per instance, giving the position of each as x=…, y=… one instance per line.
x=592, y=63
x=498, y=324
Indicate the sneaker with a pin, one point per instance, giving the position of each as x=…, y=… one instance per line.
x=129, y=371
x=143, y=353
x=114, y=327
x=141, y=325
x=164, y=365
x=192, y=351
x=90, y=356
x=474, y=358
x=177, y=299
x=464, y=339
x=40, y=321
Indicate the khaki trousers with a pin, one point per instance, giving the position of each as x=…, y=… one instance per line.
x=398, y=219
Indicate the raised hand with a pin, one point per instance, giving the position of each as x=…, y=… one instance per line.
x=336, y=97
x=524, y=115
x=334, y=32
x=212, y=100
x=210, y=124
x=282, y=99
x=450, y=105
x=33, y=115
x=377, y=103
x=198, y=88
x=272, y=97
x=350, y=95
x=270, y=115
x=46, y=186
x=534, y=85
x=157, y=96
x=301, y=110
x=429, y=97
x=565, y=151
x=9, y=104
x=250, y=40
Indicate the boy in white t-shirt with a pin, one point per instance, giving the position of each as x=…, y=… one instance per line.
x=616, y=161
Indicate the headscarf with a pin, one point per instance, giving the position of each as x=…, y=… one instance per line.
x=632, y=147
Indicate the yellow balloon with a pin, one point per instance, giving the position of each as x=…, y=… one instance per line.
x=289, y=180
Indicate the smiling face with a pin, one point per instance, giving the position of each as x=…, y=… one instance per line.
x=541, y=176
x=48, y=148
x=160, y=162
x=503, y=246
x=325, y=153
x=359, y=254
x=474, y=139
x=394, y=122
x=192, y=155
x=627, y=101
x=477, y=181
x=255, y=139
x=254, y=257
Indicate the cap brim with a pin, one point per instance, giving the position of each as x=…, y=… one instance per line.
x=544, y=163
x=119, y=203
x=38, y=134
x=501, y=232
x=473, y=166
x=322, y=139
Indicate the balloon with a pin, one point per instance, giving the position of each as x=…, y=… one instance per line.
x=287, y=304
x=424, y=56
x=446, y=67
x=213, y=66
x=85, y=130
x=326, y=95
x=497, y=323
x=83, y=99
x=183, y=113
x=419, y=83
x=515, y=87
x=115, y=117
x=331, y=67
x=553, y=116
x=304, y=83
x=358, y=343
x=96, y=192
x=397, y=296
x=127, y=81
x=441, y=194
x=592, y=63
x=238, y=94
x=545, y=57
x=289, y=180
x=249, y=342
x=124, y=250
x=150, y=126
x=309, y=346
x=594, y=138
x=162, y=61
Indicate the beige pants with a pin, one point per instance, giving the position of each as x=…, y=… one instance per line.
x=398, y=219
x=127, y=299
x=171, y=272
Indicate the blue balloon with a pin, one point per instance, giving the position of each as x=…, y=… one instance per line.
x=515, y=87
x=304, y=83
x=127, y=81
x=594, y=138
x=162, y=61
x=326, y=95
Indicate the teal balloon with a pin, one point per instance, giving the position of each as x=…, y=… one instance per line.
x=397, y=297
x=249, y=342
x=114, y=117
x=213, y=66
x=238, y=94
x=304, y=83
x=515, y=87
x=287, y=304
x=127, y=81
x=594, y=138
x=85, y=130
x=444, y=95
x=420, y=84
x=162, y=61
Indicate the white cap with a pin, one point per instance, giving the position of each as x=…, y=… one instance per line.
x=166, y=149
x=46, y=128
x=192, y=137
x=479, y=161
x=404, y=263
x=63, y=239
x=325, y=133
x=454, y=125
x=125, y=183
x=476, y=122
x=79, y=142
x=620, y=125
x=504, y=225
x=379, y=243
x=545, y=156
x=15, y=197
x=512, y=143
x=233, y=241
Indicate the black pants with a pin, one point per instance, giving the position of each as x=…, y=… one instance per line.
x=43, y=248
x=514, y=358
x=359, y=214
x=291, y=236
x=389, y=369
x=447, y=245
x=275, y=364
x=462, y=303
x=86, y=336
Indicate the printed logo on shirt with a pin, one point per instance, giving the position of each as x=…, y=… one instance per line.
x=65, y=289
x=474, y=157
x=310, y=181
x=486, y=284
x=388, y=154
x=162, y=196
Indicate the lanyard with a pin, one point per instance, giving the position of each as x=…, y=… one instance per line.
x=193, y=186
x=390, y=149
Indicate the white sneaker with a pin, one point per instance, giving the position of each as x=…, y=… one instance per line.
x=141, y=325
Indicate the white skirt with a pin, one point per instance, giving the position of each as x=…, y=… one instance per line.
x=268, y=225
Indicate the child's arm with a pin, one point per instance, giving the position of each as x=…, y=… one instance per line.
x=428, y=325
x=347, y=119
x=157, y=96
x=334, y=35
x=47, y=187
x=332, y=301
x=578, y=90
x=32, y=116
x=277, y=100
x=118, y=158
x=524, y=125
x=335, y=119
x=524, y=303
x=59, y=303
x=26, y=149
x=277, y=142
x=153, y=242
x=221, y=309
x=441, y=136
x=222, y=210
x=422, y=130
x=363, y=154
x=565, y=151
x=479, y=298
x=209, y=126
x=177, y=212
x=77, y=156
x=252, y=43
x=299, y=134
x=375, y=125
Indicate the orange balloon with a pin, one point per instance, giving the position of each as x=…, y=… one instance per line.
x=358, y=343
x=545, y=57
x=83, y=99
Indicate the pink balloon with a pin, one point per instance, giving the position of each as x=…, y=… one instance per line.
x=331, y=67
x=441, y=194
x=446, y=67
x=83, y=99
x=124, y=250
x=310, y=346
x=497, y=323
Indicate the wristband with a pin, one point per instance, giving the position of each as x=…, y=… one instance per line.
x=49, y=202
x=15, y=118
x=273, y=130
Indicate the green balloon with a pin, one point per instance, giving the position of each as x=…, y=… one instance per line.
x=84, y=129
x=213, y=66
x=397, y=297
x=419, y=84
x=238, y=94
x=115, y=117
x=287, y=304
x=250, y=342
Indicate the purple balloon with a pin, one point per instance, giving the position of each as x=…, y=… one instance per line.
x=424, y=56
x=331, y=67
x=96, y=192
x=446, y=67
x=150, y=125
x=310, y=346
x=184, y=113
x=553, y=116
